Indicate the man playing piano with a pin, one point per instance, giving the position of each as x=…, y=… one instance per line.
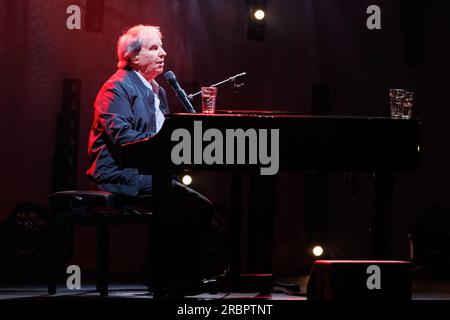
x=131, y=106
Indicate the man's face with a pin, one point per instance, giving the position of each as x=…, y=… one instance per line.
x=150, y=60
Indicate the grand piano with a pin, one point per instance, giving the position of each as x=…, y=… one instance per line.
x=381, y=146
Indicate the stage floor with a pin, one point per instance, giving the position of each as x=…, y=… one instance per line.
x=422, y=290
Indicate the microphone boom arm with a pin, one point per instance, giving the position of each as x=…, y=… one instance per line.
x=230, y=79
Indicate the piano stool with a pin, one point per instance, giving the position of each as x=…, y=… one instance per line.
x=98, y=208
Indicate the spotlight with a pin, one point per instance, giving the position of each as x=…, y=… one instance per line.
x=256, y=23
x=259, y=14
x=187, y=180
x=317, y=251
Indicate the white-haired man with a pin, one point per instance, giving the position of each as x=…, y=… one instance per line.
x=131, y=106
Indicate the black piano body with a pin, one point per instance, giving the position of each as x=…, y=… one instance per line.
x=306, y=143
x=379, y=145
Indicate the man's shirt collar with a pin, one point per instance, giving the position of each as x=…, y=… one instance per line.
x=154, y=86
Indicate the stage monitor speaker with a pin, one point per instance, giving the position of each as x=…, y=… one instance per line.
x=360, y=280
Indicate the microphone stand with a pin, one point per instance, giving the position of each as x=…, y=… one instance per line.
x=235, y=87
x=230, y=79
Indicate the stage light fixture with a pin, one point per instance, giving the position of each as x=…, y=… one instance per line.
x=256, y=19
x=259, y=14
x=187, y=180
x=317, y=251
x=26, y=228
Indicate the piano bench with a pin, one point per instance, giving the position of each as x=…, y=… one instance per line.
x=97, y=208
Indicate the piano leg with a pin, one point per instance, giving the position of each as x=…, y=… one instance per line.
x=261, y=223
x=261, y=259
x=384, y=206
x=235, y=227
x=158, y=229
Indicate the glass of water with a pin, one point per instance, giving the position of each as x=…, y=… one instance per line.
x=401, y=103
x=407, y=104
x=209, y=95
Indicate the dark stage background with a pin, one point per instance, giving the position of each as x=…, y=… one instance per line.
x=320, y=44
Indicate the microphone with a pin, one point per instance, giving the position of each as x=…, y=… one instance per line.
x=172, y=80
